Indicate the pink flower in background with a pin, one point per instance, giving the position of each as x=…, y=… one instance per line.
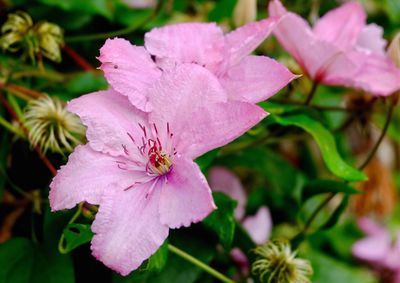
x=258, y=226
x=379, y=249
x=138, y=166
x=129, y=69
x=341, y=49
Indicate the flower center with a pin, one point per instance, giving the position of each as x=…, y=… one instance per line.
x=159, y=161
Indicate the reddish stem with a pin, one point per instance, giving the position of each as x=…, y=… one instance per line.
x=21, y=89
x=12, y=113
x=78, y=59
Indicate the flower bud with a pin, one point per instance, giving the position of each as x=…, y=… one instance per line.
x=245, y=12
x=276, y=263
x=394, y=50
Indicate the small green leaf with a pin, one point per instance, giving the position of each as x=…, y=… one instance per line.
x=326, y=143
x=158, y=260
x=77, y=235
x=316, y=187
x=222, y=220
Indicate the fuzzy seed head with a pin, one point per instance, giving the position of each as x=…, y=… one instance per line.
x=276, y=263
x=51, y=126
x=44, y=38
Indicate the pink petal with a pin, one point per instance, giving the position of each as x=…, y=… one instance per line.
x=244, y=40
x=179, y=92
x=128, y=69
x=256, y=78
x=373, y=249
x=342, y=26
x=321, y=60
x=259, y=226
x=240, y=259
x=109, y=117
x=370, y=227
x=276, y=9
x=186, y=197
x=222, y=180
x=216, y=125
x=127, y=227
x=371, y=39
x=200, y=43
x=85, y=177
x=375, y=74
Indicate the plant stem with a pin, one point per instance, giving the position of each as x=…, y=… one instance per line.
x=124, y=31
x=199, y=264
x=79, y=60
x=383, y=133
x=61, y=247
x=311, y=93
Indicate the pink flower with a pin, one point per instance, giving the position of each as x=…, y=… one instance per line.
x=341, y=49
x=258, y=226
x=379, y=249
x=130, y=68
x=139, y=166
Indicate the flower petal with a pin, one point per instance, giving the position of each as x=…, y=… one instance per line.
x=109, y=117
x=85, y=177
x=186, y=197
x=342, y=26
x=223, y=180
x=127, y=227
x=371, y=39
x=216, y=125
x=256, y=78
x=200, y=43
x=128, y=69
x=375, y=74
x=259, y=226
x=321, y=60
x=244, y=40
x=179, y=92
x=372, y=249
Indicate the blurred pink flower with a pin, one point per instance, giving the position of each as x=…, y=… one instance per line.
x=341, y=49
x=379, y=249
x=259, y=226
x=130, y=68
x=139, y=166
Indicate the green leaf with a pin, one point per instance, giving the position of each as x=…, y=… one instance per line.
x=158, y=260
x=326, y=143
x=222, y=220
x=329, y=270
x=4, y=148
x=77, y=235
x=316, y=187
x=334, y=218
x=16, y=260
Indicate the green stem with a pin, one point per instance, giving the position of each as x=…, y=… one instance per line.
x=383, y=133
x=11, y=128
x=311, y=93
x=199, y=264
x=124, y=31
x=61, y=247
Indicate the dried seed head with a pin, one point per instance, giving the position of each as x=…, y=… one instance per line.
x=276, y=263
x=51, y=126
x=42, y=39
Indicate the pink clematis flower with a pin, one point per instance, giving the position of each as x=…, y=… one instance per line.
x=341, y=49
x=379, y=249
x=259, y=226
x=129, y=68
x=138, y=167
